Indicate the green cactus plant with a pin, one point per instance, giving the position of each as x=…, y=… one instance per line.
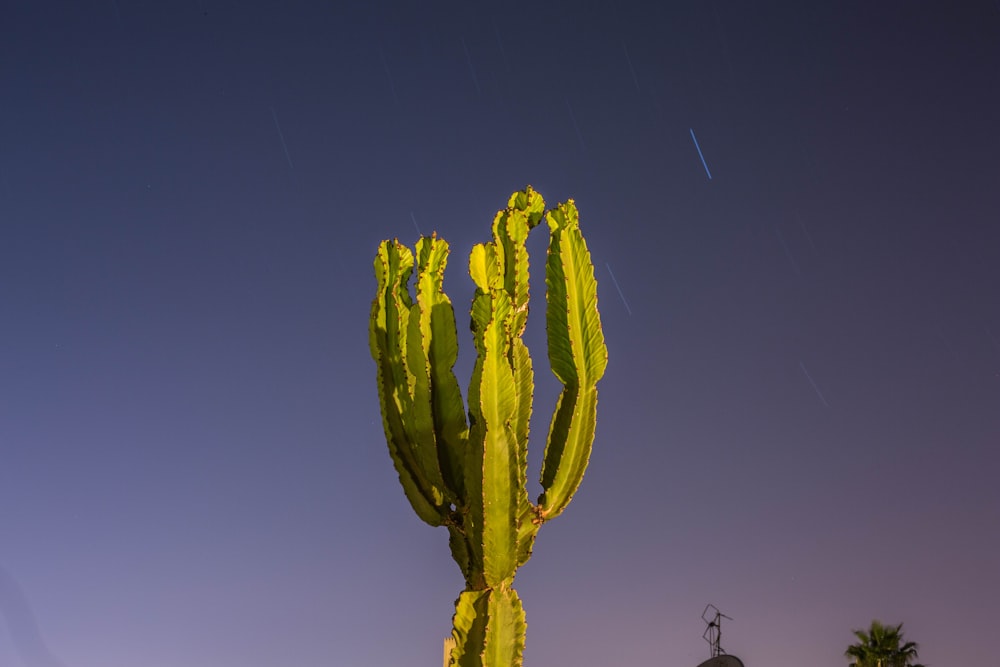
x=470, y=476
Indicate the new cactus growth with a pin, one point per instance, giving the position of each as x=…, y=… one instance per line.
x=470, y=475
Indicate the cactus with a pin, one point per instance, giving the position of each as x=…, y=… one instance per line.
x=470, y=476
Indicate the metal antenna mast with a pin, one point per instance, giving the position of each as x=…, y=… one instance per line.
x=713, y=633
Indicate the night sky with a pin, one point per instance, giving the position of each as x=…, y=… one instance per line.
x=801, y=415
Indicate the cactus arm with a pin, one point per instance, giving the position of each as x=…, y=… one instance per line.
x=387, y=340
x=577, y=354
x=525, y=210
x=524, y=383
x=501, y=492
x=511, y=228
x=500, y=270
x=444, y=427
x=491, y=468
x=484, y=269
x=524, y=386
x=415, y=346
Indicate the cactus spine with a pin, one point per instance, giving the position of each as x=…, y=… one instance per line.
x=470, y=476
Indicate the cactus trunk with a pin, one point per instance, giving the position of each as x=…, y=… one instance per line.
x=471, y=476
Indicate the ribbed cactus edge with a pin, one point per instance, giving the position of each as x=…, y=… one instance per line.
x=466, y=469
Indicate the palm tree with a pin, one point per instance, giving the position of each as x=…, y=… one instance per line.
x=882, y=646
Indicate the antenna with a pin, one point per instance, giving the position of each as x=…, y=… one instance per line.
x=713, y=633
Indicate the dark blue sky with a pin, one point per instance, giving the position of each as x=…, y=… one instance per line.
x=801, y=413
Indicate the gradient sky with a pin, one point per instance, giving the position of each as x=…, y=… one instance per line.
x=801, y=415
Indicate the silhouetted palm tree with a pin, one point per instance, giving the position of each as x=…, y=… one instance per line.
x=882, y=646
